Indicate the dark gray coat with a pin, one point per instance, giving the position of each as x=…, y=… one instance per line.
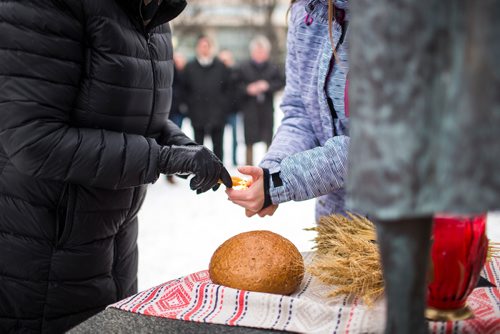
x=258, y=112
x=84, y=99
x=206, y=89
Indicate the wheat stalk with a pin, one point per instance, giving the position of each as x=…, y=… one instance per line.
x=493, y=250
x=347, y=257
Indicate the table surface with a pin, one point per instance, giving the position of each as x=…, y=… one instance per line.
x=118, y=321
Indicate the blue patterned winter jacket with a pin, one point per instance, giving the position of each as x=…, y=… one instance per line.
x=309, y=150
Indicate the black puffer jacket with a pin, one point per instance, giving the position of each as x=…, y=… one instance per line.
x=84, y=99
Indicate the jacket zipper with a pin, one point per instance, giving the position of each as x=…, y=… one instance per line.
x=333, y=112
x=329, y=100
x=147, y=35
x=153, y=104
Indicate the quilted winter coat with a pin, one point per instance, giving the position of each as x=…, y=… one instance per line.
x=85, y=91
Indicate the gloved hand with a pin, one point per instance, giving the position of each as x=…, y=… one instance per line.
x=197, y=160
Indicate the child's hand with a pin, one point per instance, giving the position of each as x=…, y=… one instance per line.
x=251, y=198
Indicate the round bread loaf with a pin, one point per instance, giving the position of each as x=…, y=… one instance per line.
x=260, y=261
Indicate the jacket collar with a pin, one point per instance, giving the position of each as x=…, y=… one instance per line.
x=342, y=4
x=318, y=9
x=168, y=10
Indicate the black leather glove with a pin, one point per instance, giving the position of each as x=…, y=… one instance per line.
x=197, y=160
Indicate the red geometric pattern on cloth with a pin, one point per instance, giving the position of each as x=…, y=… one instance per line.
x=196, y=298
x=480, y=302
x=172, y=302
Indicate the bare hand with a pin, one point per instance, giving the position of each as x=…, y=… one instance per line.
x=251, y=198
x=253, y=89
x=262, y=85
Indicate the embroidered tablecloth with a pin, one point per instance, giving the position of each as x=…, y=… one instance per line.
x=196, y=298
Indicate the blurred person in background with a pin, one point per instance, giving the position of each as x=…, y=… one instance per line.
x=83, y=130
x=258, y=79
x=227, y=58
x=178, y=110
x=206, y=83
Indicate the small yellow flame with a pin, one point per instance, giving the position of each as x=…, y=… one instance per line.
x=239, y=183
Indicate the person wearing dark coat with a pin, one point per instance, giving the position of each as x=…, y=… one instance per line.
x=206, y=81
x=178, y=110
x=84, y=100
x=227, y=58
x=258, y=80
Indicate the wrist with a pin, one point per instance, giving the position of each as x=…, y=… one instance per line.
x=267, y=195
x=163, y=157
x=173, y=158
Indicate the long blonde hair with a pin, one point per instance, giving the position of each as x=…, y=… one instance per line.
x=331, y=15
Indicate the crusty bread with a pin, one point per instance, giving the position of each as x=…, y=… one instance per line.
x=260, y=261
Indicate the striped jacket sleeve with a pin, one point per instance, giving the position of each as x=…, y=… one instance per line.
x=295, y=133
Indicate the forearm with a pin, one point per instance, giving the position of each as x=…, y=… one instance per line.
x=311, y=173
x=294, y=135
x=91, y=157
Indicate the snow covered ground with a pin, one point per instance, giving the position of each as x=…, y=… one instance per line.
x=180, y=230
